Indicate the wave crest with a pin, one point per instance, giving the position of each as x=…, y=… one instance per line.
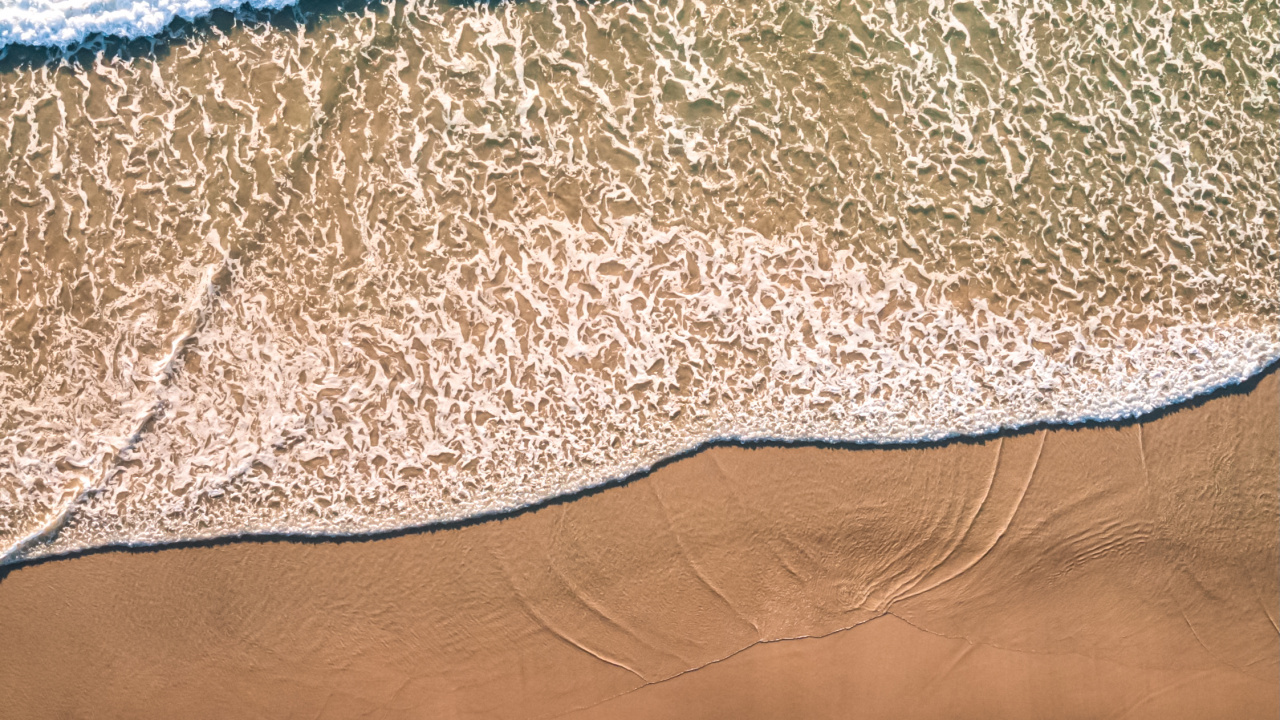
x=62, y=23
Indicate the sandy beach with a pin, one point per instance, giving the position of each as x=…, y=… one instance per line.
x=755, y=360
x=1116, y=571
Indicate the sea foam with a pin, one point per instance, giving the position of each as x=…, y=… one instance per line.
x=60, y=23
x=437, y=260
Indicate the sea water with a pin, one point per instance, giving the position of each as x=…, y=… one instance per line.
x=358, y=268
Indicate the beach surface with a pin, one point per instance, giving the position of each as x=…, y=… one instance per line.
x=1116, y=571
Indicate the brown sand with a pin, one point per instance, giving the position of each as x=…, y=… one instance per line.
x=1113, y=572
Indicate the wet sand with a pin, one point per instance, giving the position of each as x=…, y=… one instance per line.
x=1125, y=571
x=888, y=669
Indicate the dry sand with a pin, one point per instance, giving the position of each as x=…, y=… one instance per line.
x=1107, y=572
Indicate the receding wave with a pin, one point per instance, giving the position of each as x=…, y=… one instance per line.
x=409, y=264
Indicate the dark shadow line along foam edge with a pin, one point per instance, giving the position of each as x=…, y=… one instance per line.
x=1241, y=387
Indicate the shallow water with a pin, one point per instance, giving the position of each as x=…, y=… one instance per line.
x=345, y=271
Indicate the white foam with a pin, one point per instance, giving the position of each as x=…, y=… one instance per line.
x=60, y=23
x=422, y=264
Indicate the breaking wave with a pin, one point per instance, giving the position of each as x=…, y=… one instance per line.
x=62, y=23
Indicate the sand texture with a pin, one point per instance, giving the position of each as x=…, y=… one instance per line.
x=1125, y=571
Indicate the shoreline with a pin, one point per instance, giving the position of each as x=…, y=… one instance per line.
x=1240, y=387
